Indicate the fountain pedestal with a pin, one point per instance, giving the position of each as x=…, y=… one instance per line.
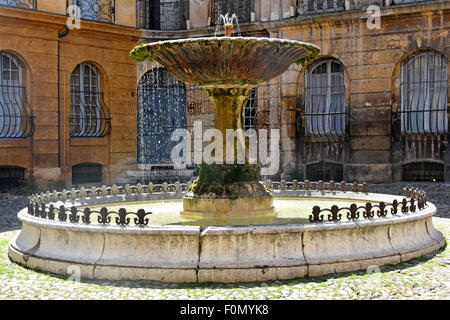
x=230, y=186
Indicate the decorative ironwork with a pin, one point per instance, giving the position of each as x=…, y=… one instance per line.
x=162, y=14
x=42, y=205
x=96, y=10
x=161, y=107
x=16, y=119
x=307, y=7
x=90, y=116
x=369, y=209
x=24, y=4
x=316, y=216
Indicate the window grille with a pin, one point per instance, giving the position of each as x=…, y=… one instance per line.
x=11, y=177
x=86, y=173
x=162, y=14
x=96, y=10
x=24, y=4
x=249, y=112
x=241, y=8
x=325, y=171
x=89, y=115
x=423, y=172
x=16, y=120
x=424, y=93
x=319, y=6
x=324, y=104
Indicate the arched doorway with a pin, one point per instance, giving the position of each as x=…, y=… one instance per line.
x=161, y=110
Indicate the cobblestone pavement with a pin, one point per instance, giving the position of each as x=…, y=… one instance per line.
x=425, y=278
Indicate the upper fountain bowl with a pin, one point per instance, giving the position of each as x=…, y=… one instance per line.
x=226, y=60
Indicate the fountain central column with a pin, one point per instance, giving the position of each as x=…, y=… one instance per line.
x=230, y=186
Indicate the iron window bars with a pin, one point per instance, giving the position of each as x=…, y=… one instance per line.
x=424, y=94
x=96, y=10
x=16, y=119
x=162, y=14
x=24, y=4
x=319, y=6
x=323, y=107
x=241, y=8
x=249, y=112
x=89, y=116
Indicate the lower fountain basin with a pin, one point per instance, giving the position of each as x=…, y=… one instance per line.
x=227, y=249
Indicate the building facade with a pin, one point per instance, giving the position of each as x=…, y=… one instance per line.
x=372, y=107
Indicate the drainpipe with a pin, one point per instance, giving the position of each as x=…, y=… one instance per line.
x=60, y=35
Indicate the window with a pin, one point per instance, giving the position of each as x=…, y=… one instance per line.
x=11, y=177
x=319, y=6
x=249, y=112
x=162, y=14
x=86, y=173
x=325, y=99
x=15, y=113
x=26, y=4
x=96, y=10
x=325, y=171
x=89, y=116
x=423, y=94
x=423, y=172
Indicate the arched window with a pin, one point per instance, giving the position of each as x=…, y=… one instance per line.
x=249, y=112
x=89, y=116
x=423, y=93
x=15, y=113
x=325, y=99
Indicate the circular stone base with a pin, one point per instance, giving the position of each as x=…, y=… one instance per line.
x=194, y=206
x=233, y=253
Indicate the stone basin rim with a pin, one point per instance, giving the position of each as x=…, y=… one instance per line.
x=313, y=48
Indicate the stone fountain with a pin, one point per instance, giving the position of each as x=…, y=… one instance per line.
x=227, y=68
x=246, y=232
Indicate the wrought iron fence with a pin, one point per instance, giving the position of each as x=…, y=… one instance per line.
x=96, y=10
x=162, y=14
x=89, y=116
x=24, y=4
x=16, y=119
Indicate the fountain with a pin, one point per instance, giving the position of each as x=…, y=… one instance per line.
x=227, y=226
x=227, y=68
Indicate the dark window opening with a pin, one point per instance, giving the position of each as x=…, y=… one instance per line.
x=162, y=14
x=11, y=177
x=423, y=172
x=325, y=171
x=86, y=173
